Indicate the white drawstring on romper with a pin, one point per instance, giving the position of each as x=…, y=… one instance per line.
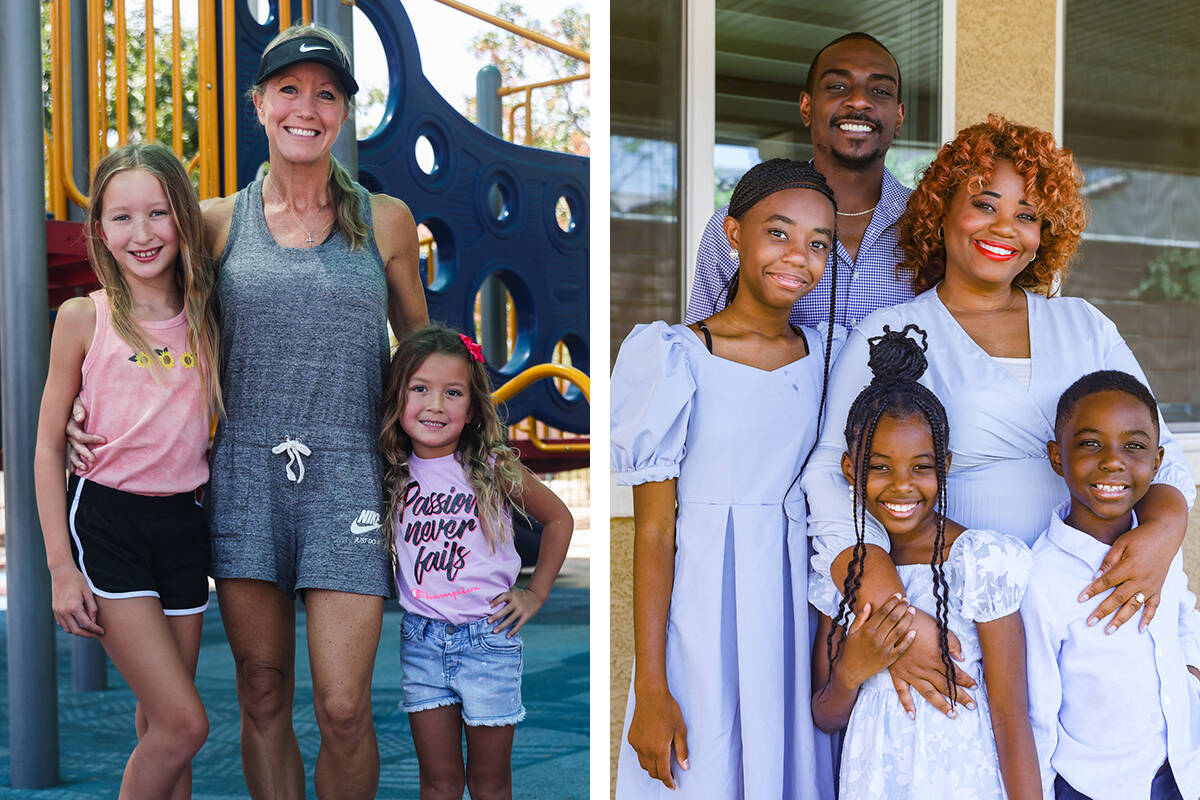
x=294, y=448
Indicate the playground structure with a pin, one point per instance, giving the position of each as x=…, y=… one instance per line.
x=507, y=255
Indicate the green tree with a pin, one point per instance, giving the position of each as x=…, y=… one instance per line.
x=561, y=118
x=135, y=60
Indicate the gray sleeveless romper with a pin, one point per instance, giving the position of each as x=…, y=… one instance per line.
x=295, y=496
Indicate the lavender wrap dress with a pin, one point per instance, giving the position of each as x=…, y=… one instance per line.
x=739, y=629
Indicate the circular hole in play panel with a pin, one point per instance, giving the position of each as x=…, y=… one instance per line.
x=427, y=249
x=495, y=321
x=260, y=10
x=563, y=354
x=426, y=155
x=499, y=203
x=504, y=321
x=435, y=249
x=564, y=215
x=372, y=73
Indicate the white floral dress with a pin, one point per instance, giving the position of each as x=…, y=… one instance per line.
x=887, y=755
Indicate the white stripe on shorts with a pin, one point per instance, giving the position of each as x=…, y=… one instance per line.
x=83, y=569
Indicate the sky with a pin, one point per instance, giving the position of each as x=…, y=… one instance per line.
x=443, y=35
x=447, y=65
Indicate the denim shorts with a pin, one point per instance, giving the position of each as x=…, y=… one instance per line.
x=446, y=664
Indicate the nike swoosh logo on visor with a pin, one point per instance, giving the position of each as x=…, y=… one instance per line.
x=308, y=48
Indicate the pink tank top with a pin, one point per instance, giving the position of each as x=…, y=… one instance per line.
x=156, y=422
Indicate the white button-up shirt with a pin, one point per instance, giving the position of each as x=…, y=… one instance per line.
x=1108, y=710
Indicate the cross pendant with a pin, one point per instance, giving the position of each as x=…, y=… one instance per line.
x=309, y=235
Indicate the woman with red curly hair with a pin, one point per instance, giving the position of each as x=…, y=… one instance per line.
x=987, y=238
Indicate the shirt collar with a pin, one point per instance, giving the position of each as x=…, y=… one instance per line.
x=893, y=195
x=1074, y=541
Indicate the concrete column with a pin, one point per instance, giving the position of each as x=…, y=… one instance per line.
x=339, y=18
x=490, y=117
x=24, y=351
x=89, y=663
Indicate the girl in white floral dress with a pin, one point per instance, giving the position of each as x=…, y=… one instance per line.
x=971, y=581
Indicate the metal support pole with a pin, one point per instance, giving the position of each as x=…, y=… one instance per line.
x=494, y=318
x=88, y=661
x=24, y=352
x=339, y=18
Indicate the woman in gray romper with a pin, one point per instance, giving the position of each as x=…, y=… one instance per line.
x=311, y=269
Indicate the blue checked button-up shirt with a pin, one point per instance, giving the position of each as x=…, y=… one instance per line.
x=863, y=285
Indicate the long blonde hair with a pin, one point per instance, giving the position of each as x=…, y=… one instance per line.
x=195, y=273
x=490, y=464
x=347, y=205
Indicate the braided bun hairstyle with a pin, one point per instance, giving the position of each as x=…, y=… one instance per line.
x=897, y=361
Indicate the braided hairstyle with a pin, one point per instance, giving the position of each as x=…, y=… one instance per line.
x=896, y=362
x=759, y=182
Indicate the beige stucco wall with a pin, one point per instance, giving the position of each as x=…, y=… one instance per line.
x=620, y=657
x=1004, y=62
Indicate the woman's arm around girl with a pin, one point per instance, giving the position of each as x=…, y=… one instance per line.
x=870, y=645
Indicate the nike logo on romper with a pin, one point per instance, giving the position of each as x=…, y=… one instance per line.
x=367, y=521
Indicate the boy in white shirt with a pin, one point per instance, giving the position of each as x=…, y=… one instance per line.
x=1116, y=716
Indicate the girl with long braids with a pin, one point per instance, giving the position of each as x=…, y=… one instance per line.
x=710, y=424
x=971, y=581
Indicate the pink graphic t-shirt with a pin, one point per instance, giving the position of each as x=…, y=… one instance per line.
x=444, y=566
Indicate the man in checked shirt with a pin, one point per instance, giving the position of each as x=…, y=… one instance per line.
x=851, y=106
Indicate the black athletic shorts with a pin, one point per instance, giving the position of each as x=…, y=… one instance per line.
x=136, y=545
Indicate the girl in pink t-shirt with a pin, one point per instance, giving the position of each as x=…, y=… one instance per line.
x=451, y=479
x=128, y=551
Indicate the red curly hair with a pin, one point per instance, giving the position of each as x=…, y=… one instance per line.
x=1052, y=184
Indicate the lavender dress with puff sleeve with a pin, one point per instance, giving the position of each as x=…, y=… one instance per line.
x=734, y=436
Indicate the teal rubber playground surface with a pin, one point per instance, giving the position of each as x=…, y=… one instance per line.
x=550, y=752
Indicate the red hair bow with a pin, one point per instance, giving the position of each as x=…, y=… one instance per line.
x=474, y=349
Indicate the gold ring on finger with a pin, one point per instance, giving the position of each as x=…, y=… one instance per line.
x=1139, y=597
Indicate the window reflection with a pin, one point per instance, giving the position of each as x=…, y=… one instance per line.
x=1131, y=117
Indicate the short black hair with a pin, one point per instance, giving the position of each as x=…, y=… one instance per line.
x=811, y=77
x=1105, y=380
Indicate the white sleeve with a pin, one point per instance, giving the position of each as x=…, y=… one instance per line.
x=1189, y=627
x=1042, y=644
x=830, y=520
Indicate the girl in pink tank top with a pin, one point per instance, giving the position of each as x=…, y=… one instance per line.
x=128, y=552
x=450, y=478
